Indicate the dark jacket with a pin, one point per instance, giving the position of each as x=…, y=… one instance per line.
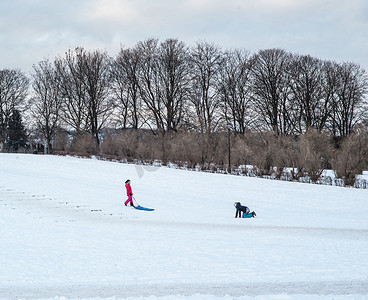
x=242, y=208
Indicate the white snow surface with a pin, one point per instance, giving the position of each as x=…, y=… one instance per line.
x=66, y=234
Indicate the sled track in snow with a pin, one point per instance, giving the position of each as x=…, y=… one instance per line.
x=145, y=290
x=32, y=204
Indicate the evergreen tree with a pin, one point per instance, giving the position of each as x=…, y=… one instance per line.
x=17, y=136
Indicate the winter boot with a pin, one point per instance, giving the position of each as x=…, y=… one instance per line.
x=253, y=214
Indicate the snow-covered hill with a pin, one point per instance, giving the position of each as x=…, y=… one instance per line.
x=64, y=231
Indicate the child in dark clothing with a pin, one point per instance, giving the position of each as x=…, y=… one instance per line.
x=243, y=209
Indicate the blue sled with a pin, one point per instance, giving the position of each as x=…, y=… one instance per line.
x=143, y=208
x=250, y=215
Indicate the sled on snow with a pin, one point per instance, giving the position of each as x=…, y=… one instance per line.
x=143, y=208
x=139, y=207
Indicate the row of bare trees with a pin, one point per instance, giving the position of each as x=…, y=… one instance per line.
x=171, y=86
x=73, y=91
x=168, y=86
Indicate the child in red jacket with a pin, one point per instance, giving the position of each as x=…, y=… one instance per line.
x=129, y=193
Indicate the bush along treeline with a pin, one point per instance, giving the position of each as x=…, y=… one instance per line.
x=287, y=115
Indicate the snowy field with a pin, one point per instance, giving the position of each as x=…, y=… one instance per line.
x=66, y=234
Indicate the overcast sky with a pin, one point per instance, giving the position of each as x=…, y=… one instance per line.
x=32, y=30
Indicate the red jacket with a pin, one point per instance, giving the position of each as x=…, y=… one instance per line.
x=129, y=189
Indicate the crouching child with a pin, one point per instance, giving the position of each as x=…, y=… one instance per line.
x=243, y=209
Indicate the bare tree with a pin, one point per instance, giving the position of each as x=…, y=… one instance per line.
x=271, y=90
x=149, y=83
x=174, y=81
x=206, y=60
x=307, y=93
x=125, y=88
x=13, y=92
x=235, y=90
x=163, y=86
x=85, y=82
x=70, y=74
x=97, y=82
x=163, y=81
x=205, y=64
x=349, y=102
x=47, y=100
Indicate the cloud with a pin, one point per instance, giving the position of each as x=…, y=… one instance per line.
x=112, y=11
x=34, y=29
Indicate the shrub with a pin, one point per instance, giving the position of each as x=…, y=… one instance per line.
x=351, y=158
x=84, y=144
